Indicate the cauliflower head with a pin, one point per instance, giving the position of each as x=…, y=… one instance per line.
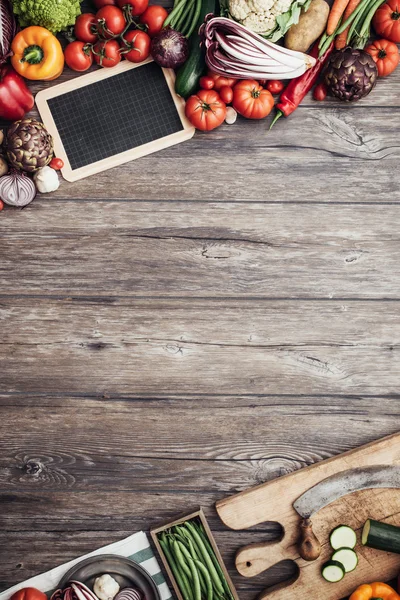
x=258, y=15
x=54, y=15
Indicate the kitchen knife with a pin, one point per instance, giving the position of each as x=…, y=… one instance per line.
x=331, y=489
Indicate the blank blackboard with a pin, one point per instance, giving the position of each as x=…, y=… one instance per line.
x=111, y=116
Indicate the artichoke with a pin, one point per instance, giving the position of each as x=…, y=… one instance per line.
x=29, y=146
x=350, y=74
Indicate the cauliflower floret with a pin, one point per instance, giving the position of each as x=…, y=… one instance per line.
x=258, y=15
x=54, y=15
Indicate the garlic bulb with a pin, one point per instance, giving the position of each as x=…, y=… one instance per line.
x=46, y=180
x=231, y=115
x=105, y=587
x=17, y=189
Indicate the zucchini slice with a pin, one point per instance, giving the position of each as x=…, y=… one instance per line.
x=381, y=536
x=343, y=536
x=332, y=571
x=347, y=557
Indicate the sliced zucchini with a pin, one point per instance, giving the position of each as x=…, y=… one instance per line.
x=347, y=557
x=343, y=536
x=332, y=571
x=381, y=536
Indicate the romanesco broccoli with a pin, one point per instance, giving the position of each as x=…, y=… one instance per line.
x=54, y=15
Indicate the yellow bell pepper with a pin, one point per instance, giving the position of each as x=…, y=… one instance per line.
x=37, y=54
x=375, y=591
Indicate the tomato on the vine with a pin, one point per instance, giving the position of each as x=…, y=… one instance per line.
x=385, y=54
x=85, y=28
x=320, y=92
x=134, y=7
x=154, y=17
x=56, y=164
x=206, y=82
x=136, y=46
x=78, y=56
x=251, y=100
x=101, y=3
x=107, y=53
x=1, y=204
x=226, y=94
x=386, y=21
x=205, y=110
x=28, y=593
x=275, y=86
x=110, y=22
x=221, y=81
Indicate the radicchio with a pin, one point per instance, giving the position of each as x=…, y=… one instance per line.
x=7, y=30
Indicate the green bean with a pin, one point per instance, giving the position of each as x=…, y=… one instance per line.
x=179, y=557
x=185, y=580
x=210, y=549
x=206, y=557
x=369, y=16
x=174, y=569
x=203, y=571
x=176, y=11
x=196, y=580
x=189, y=19
x=184, y=15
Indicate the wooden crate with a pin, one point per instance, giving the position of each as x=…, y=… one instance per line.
x=198, y=514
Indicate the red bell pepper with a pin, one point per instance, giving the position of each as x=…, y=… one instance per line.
x=298, y=88
x=15, y=96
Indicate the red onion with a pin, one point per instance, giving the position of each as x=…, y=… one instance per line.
x=129, y=594
x=169, y=48
x=75, y=591
x=7, y=30
x=17, y=189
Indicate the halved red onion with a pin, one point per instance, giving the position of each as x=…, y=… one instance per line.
x=130, y=594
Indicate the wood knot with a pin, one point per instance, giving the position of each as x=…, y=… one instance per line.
x=33, y=467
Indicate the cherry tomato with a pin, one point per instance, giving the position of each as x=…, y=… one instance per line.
x=110, y=21
x=206, y=83
x=275, y=86
x=78, y=56
x=226, y=94
x=205, y=110
x=85, y=28
x=220, y=81
x=1, y=204
x=134, y=7
x=263, y=82
x=101, y=3
x=107, y=53
x=320, y=92
x=136, y=46
x=154, y=17
x=28, y=593
x=251, y=100
x=56, y=164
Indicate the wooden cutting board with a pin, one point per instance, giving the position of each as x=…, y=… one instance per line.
x=272, y=501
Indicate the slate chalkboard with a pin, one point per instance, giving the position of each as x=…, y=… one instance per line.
x=111, y=116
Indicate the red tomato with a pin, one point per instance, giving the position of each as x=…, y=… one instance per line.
x=206, y=83
x=154, y=17
x=29, y=593
x=107, y=53
x=85, y=28
x=136, y=46
x=386, y=21
x=101, y=3
x=135, y=7
x=220, y=81
x=251, y=100
x=320, y=92
x=205, y=110
x=78, y=56
x=386, y=56
x=275, y=86
x=226, y=94
x=110, y=21
x=56, y=164
x=1, y=204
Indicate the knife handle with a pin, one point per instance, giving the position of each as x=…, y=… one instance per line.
x=309, y=544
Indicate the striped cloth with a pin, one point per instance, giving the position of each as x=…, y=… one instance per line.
x=136, y=546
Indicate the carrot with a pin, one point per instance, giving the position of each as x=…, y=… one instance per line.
x=341, y=39
x=338, y=8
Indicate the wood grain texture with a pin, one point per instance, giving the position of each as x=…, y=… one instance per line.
x=190, y=249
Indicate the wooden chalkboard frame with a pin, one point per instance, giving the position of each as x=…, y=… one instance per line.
x=113, y=161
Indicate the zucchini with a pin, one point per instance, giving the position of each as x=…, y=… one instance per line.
x=332, y=571
x=343, y=536
x=381, y=536
x=187, y=78
x=347, y=557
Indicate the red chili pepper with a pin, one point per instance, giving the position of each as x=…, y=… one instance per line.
x=15, y=96
x=298, y=88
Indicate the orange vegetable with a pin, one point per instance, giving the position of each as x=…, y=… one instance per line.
x=385, y=54
x=29, y=593
x=37, y=54
x=341, y=39
x=337, y=10
x=375, y=591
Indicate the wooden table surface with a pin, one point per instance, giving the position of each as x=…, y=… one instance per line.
x=196, y=322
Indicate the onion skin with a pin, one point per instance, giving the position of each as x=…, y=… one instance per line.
x=17, y=189
x=169, y=48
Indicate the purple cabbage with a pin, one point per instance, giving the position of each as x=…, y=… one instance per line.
x=7, y=30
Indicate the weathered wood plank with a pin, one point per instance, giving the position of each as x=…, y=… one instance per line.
x=234, y=348
x=201, y=249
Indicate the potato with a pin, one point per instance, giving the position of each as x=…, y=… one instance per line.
x=311, y=25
